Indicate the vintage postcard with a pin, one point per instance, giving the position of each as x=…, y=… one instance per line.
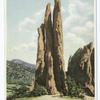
x=50, y=49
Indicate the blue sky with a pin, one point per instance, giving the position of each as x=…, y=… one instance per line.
x=25, y=16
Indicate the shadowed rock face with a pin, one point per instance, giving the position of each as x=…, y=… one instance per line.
x=81, y=67
x=50, y=63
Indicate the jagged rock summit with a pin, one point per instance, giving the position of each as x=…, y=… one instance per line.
x=50, y=61
x=81, y=68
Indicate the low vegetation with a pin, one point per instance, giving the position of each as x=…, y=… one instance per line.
x=19, y=79
x=74, y=88
x=39, y=91
x=20, y=91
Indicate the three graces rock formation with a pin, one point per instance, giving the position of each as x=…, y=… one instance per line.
x=50, y=61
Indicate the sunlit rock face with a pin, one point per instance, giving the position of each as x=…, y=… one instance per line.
x=40, y=55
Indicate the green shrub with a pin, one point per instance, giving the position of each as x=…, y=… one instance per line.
x=20, y=91
x=39, y=91
x=10, y=98
x=74, y=89
x=23, y=91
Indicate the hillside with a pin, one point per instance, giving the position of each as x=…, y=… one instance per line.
x=20, y=72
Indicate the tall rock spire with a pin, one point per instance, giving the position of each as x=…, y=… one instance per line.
x=50, y=61
x=50, y=82
x=40, y=55
x=58, y=48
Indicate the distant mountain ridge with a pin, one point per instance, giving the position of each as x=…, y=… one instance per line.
x=22, y=62
x=19, y=71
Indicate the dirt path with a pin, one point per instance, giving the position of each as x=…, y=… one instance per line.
x=48, y=97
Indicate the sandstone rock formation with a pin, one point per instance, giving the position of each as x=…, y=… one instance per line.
x=40, y=55
x=58, y=47
x=50, y=62
x=50, y=82
x=81, y=67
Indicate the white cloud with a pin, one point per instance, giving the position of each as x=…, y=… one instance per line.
x=80, y=7
x=62, y=9
x=79, y=20
x=78, y=13
x=29, y=24
x=38, y=13
x=25, y=51
x=85, y=32
x=71, y=44
x=90, y=24
x=72, y=21
x=73, y=41
x=24, y=47
x=26, y=25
